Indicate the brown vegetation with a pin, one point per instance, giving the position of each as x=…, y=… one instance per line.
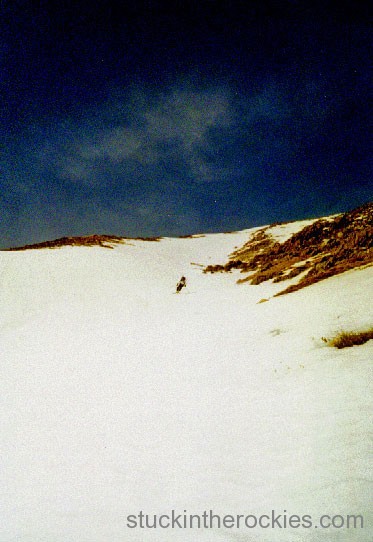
x=192, y=236
x=156, y=239
x=325, y=248
x=346, y=339
x=106, y=241
x=89, y=240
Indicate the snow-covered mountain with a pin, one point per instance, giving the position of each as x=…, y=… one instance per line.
x=120, y=396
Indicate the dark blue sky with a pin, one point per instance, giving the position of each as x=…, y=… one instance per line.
x=165, y=118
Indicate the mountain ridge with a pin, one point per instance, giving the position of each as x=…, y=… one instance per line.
x=118, y=396
x=304, y=252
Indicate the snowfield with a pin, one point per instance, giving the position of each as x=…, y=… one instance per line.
x=118, y=396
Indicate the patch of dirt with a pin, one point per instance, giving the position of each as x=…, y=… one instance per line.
x=327, y=247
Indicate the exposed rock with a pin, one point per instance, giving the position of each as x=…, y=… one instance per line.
x=325, y=248
x=106, y=241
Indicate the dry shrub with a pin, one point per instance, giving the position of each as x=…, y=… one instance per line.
x=156, y=239
x=191, y=236
x=345, y=339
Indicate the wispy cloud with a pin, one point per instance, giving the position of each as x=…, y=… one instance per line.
x=149, y=162
x=174, y=129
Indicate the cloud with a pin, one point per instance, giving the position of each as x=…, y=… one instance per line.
x=187, y=116
x=160, y=137
x=171, y=161
x=172, y=131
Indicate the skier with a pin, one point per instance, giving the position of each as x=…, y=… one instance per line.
x=180, y=285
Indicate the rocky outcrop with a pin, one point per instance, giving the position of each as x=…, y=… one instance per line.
x=106, y=241
x=327, y=247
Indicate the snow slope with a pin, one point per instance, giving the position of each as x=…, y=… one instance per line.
x=119, y=396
